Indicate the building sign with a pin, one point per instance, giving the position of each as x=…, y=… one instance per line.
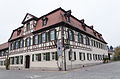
x=59, y=48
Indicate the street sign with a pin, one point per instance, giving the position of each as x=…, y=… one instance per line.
x=59, y=48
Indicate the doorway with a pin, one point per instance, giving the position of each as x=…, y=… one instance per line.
x=27, y=61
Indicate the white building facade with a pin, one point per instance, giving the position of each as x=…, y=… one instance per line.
x=35, y=44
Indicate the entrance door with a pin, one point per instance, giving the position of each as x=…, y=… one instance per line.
x=27, y=61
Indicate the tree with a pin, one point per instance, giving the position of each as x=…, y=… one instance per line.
x=117, y=54
x=111, y=48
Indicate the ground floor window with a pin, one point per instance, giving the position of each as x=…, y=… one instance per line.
x=17, y=59
x=54, y=56
x=1, y=63
x=38, y=57
x=21, y=59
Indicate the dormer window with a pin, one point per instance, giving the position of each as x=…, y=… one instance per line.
x=67, y=18
x=44, y=21
x=18, y=32
x=27, y=26
x=83, y=24
x=67, y=15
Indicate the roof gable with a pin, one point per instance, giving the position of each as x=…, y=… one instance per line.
x=28, y=17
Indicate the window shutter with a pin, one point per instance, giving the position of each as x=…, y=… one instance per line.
x=40, y=38
x=68, y=35
x=29, y=41
x=78, y=37
x=55, y=35
x=33, y=40
x=23, y=43
x=18, y=44
x=69, y=55
x=48, y=56
x=74, y=55
x=49, y=36
x=32, y=57
x=72, y=36
x=39, y=57
x=46, y=37
x=26, y=42
x=56, y=56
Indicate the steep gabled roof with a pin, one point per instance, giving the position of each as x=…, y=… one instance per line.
x=57, y=16
x=3, y=46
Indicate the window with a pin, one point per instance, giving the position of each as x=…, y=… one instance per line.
x=80, y=55
x=27, y=26
x=44, y=56
x=38, y=57
x=16, y=45
x=87, y=41
x=44, y=37
x=21, y=43
x=54, y=56
x=12, y=60
x=68, y=18
x=18, y=32
x=87, y=56
x=80, y=38
x=17, y=59
x=48, y=56
x=35, y=39
x=44, y=21
x=21, y=59
x=52, y=35
x=28, y=41
x=92, y=43
x=70, y=35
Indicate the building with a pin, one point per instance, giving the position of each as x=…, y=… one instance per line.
x=3, y=54
x=45, y=42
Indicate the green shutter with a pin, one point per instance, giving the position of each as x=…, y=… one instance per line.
x=26, y=42
x=39, y=57
x=72, y=36
x=29, y=41
x=40, y=38
x=74, y=55
x=69, y=55
x=23, y=43
x=78, y=37
x=55, y=35
x=48, y=56
x=68, y=34
x=48, y=36
x=32, y=57
x=56, y=56
x=33, y=40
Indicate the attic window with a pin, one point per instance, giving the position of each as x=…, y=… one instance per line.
x=44, y=21
x=94, y=33
x=27, y=26
x=83, y=24
x=18, y=32
x=67, y=15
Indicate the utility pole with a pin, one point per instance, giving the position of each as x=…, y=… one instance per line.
x=64, y=48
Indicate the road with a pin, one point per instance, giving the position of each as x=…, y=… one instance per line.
x=103, y=71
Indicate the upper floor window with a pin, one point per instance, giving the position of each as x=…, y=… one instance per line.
x=28, y=41
x=87, y=41
x=17, y=44
x=18, y=32
x=52, y=34
x=67, y=15
x=35, y=39
x=21, y=43
x=43, y=37
x=44, y=21
x=80, y=38
x=27, y=26
x=70, y=35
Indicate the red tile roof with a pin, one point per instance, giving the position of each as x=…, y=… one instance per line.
x=3, y=46
x=55, y=17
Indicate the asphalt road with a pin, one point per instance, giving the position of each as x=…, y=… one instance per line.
x=103, y=71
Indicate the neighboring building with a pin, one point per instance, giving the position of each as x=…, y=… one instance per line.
x=34, y=45
x=110, y=54
x=3, y=54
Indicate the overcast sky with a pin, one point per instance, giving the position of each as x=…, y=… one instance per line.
x=104, y=15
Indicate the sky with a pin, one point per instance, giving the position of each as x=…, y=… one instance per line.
x=104, y=15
